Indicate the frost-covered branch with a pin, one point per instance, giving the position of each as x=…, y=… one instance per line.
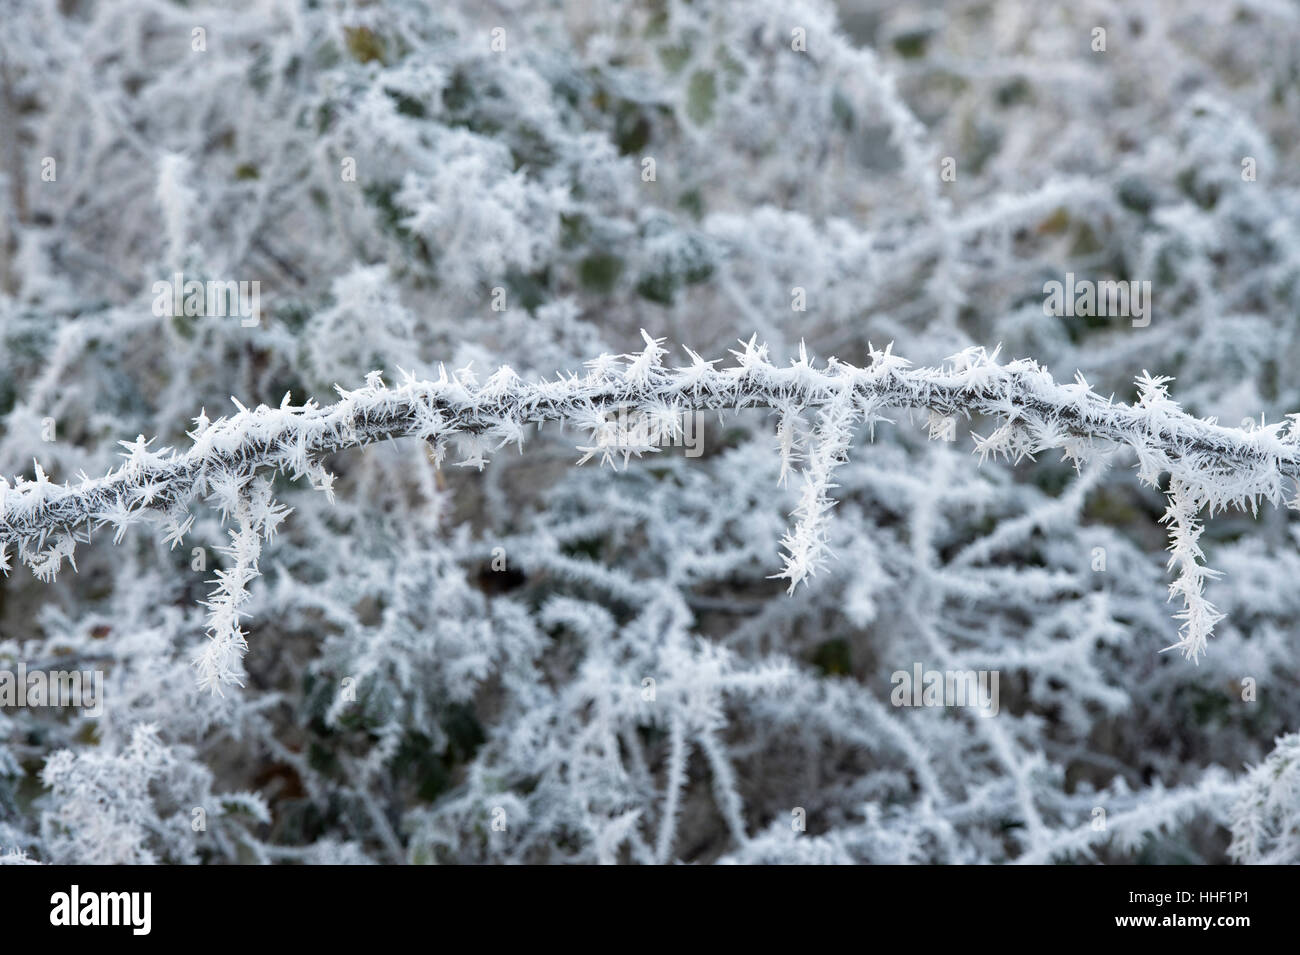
x=1211, y=466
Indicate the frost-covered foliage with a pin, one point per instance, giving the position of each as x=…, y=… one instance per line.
x=572, y=506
